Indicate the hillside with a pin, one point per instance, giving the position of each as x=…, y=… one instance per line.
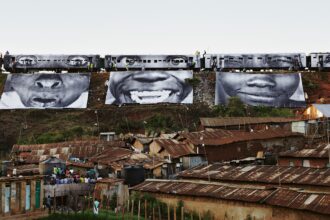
x=42, y=126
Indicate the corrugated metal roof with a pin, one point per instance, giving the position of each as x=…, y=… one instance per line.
x=320, y=151
x=293, y=199
x=64, y=150
x=324, y=108
x=315, y=202
x=175, y=148
x=111, y=155
x=260, y=174
x=203, y=190
x=230, y=121
x=221, y=137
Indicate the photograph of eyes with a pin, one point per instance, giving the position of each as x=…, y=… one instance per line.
x=148, y=87
x=69, y=90
x=277, y=90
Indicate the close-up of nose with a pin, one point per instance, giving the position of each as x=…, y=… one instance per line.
x=49, y=82
x=150, y=77
x=261, y=81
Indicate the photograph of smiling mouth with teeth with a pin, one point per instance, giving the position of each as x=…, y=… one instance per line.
x=149, y=87
x=276, y=90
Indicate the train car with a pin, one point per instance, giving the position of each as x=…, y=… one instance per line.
x=256, y=61
x=58, y=63
x=320, y=60
x=133, y=62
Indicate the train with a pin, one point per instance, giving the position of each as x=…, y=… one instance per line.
x=24, y=63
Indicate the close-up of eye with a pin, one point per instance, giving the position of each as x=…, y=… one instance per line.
x=77, y=61
x=177, y=61
x=130, y=60
x=27, y=60
x=327, y=59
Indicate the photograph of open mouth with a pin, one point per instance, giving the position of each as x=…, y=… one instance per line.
x=276, y=90
x=43, y=90
x=149, y=87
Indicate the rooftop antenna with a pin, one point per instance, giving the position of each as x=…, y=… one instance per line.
x=207, y=161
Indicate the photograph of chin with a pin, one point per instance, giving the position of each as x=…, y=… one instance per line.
x=45, y=90
x=149, y=87
x=260, y=89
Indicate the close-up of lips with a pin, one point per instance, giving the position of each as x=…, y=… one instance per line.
x=148, y=88
x=260, y=89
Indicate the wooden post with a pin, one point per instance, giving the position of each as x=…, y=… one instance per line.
x=191, y=216
x=199, y=215
x=153, y=212
x=145, y=209
x=54, y=200
x=168, y=212
x=132, y=213
x=159, y=213
x=128, y=206
x=174, y=213
x=123, y=212
x=182, y=213
x=139, y=209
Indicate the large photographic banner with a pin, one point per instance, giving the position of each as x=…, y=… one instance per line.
x=44, y=90
x=149, y=87
x=276, y=90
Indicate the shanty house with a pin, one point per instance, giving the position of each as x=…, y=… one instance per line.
x=179, y=155
x=248, y=123
x=317, y=157
x=224, y=145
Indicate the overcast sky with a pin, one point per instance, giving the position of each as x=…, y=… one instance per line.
x=164, y=27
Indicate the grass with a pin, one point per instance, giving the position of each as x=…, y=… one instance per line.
x=103, y=215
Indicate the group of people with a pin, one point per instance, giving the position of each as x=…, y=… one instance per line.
x=69, y=176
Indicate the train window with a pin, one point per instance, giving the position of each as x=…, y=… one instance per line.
x=48, y=60
x=113, y=58
x=139, y=61
x=159, y=60
x=118, y=61
x=155, y=61
x=181, y=61
x=231, y=58
x=259, y=58
x=149, y=61
x=269, y=58
x=164, y=61
x=314, y=57
x=221, y=58
x=144, y=61
x=186, y=61
x=250, y=58
x=289, y=58
x=241, y=58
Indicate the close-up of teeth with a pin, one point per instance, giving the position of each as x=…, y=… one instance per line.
x=150, y=96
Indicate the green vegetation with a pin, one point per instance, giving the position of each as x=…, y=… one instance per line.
x=103, y=215
x=236, y=108
x=309, y=84
x=159, y=123
x=55, y=136
x=194, y=82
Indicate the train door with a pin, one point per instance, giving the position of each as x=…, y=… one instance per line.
x=321, y=61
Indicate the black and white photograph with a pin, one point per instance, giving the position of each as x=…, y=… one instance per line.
x=150, y=62
x=44, y=90
x=149, y=87
x=49, y=62
x=256, y=61
x=276, y=90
